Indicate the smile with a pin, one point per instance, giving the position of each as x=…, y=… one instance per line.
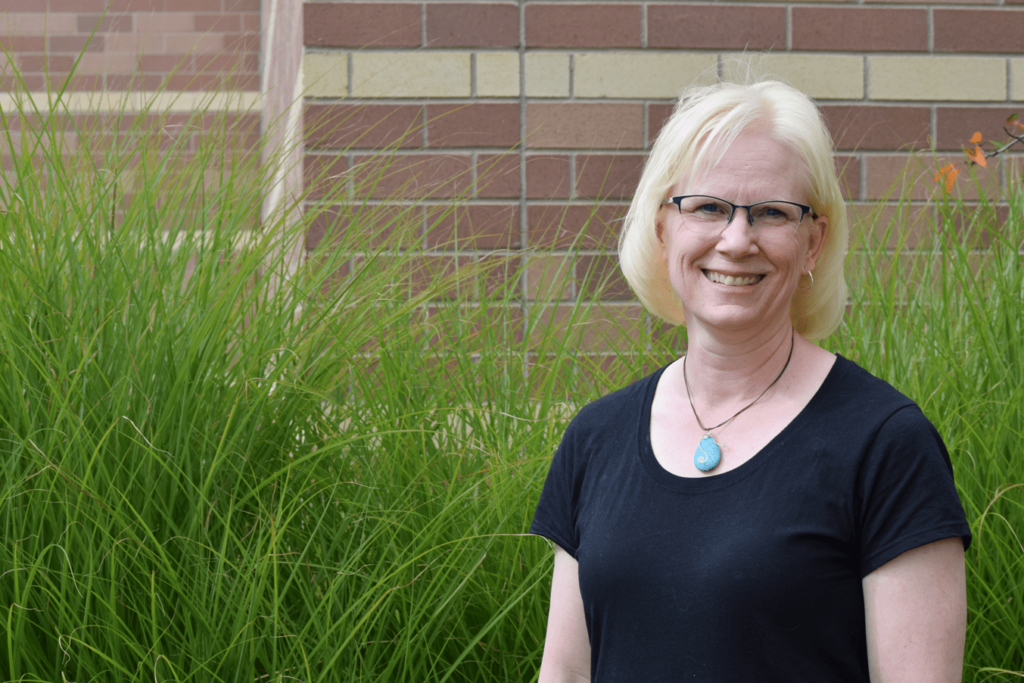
x=732, y=280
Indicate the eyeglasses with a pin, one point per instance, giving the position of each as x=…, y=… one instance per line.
x=705, y=214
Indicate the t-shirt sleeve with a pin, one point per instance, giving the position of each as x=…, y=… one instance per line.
x=555, y=517
x=907, y=497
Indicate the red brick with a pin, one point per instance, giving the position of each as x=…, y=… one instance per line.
x=134, y=81
x=599, y=277
x=74, y=5
x=189, y=82
x=375, y=224
x=361, y=24
x=76, y=44
x=584, y=125
x=242, y=5
x=934, y=2
x=200, y=82
x=497, y=176
x=86, y=83
x=547, y=177
x=32, y=82
x=716, y=26
x=979, y=30
x=583, y=25
x=898, y=172
x=473, y=125
x=909, y=223
x=251, y=22
x=472, y=25
x=51, y=65
x=21, y=6
x=218, y=22
x=878, y=127
x=848, y=170
x=657, y=115
x=955, y=125
x=406, y=177
x=860, y=29
x=585, y=226
x=608, y=175
x=477, y=226
x=165, y=63
x=229, y=63
x=248, y=42
x=365, y=125
x=324, y=175
x=13, y=44
x=436, y=275
x=104, y=24
x=116, y=6
x=188, y=6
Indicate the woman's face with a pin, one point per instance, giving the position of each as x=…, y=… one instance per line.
x=765, y=269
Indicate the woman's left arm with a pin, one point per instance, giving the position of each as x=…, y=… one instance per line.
x=915, y=608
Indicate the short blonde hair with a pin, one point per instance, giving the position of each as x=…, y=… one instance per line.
x=706, y=120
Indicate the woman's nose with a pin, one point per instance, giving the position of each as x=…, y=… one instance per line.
x=738, y=235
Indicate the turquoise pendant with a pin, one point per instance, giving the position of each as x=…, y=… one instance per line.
x=708, y=454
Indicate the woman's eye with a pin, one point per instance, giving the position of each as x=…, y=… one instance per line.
x=771, y=213
x=709, y=209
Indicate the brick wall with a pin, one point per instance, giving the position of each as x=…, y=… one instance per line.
x=176, y=55
x=579, y=91
x=185, y=45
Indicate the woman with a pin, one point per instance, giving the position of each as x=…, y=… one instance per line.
x=760, y=509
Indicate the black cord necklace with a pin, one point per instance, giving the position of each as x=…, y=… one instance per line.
x=709, y=452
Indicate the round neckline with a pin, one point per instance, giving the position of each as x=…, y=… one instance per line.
x=717, y=481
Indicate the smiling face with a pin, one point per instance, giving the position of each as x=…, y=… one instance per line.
x=737, y=280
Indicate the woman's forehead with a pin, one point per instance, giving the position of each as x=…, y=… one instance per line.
x=751, y=162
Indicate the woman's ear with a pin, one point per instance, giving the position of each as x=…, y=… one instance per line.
x=659, y=230
x=816, y=240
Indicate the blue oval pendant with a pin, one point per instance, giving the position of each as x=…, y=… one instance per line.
x=708, y=454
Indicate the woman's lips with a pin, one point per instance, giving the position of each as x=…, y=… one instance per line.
x=732, y=280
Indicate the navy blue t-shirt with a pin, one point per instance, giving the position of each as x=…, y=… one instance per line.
x=755, y=573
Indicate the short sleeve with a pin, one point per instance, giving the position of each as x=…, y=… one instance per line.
x=906, y=494
x=555, y=517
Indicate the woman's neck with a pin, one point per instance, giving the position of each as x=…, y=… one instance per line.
x=724, y=372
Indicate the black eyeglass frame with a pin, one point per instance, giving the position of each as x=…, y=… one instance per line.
x=803, y=207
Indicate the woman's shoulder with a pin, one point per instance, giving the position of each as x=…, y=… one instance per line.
x=856, y=405
x=849, y=383
x=614, y=407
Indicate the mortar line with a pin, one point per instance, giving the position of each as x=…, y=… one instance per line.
x=789, y=27
x=523, y=288
x=643, y=25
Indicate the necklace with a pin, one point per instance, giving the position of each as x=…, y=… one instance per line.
x=709, y=452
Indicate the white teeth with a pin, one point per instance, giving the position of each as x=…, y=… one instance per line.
x=731, y=279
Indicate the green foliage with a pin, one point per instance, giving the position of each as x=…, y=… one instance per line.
x=224, y=463
x=220, y=463
x=939, y=315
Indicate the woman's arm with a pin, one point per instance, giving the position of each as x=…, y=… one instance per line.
x=915, y=607
x=567, y=645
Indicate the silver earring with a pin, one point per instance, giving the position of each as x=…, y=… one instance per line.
x=808, y=287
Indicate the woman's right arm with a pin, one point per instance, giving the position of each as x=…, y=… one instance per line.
x=567, y=645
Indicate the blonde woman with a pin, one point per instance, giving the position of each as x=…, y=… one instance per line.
x=760, y=509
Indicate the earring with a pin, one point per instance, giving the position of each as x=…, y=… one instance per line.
x=808, y=287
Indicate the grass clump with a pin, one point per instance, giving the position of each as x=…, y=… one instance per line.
x=220, y=463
